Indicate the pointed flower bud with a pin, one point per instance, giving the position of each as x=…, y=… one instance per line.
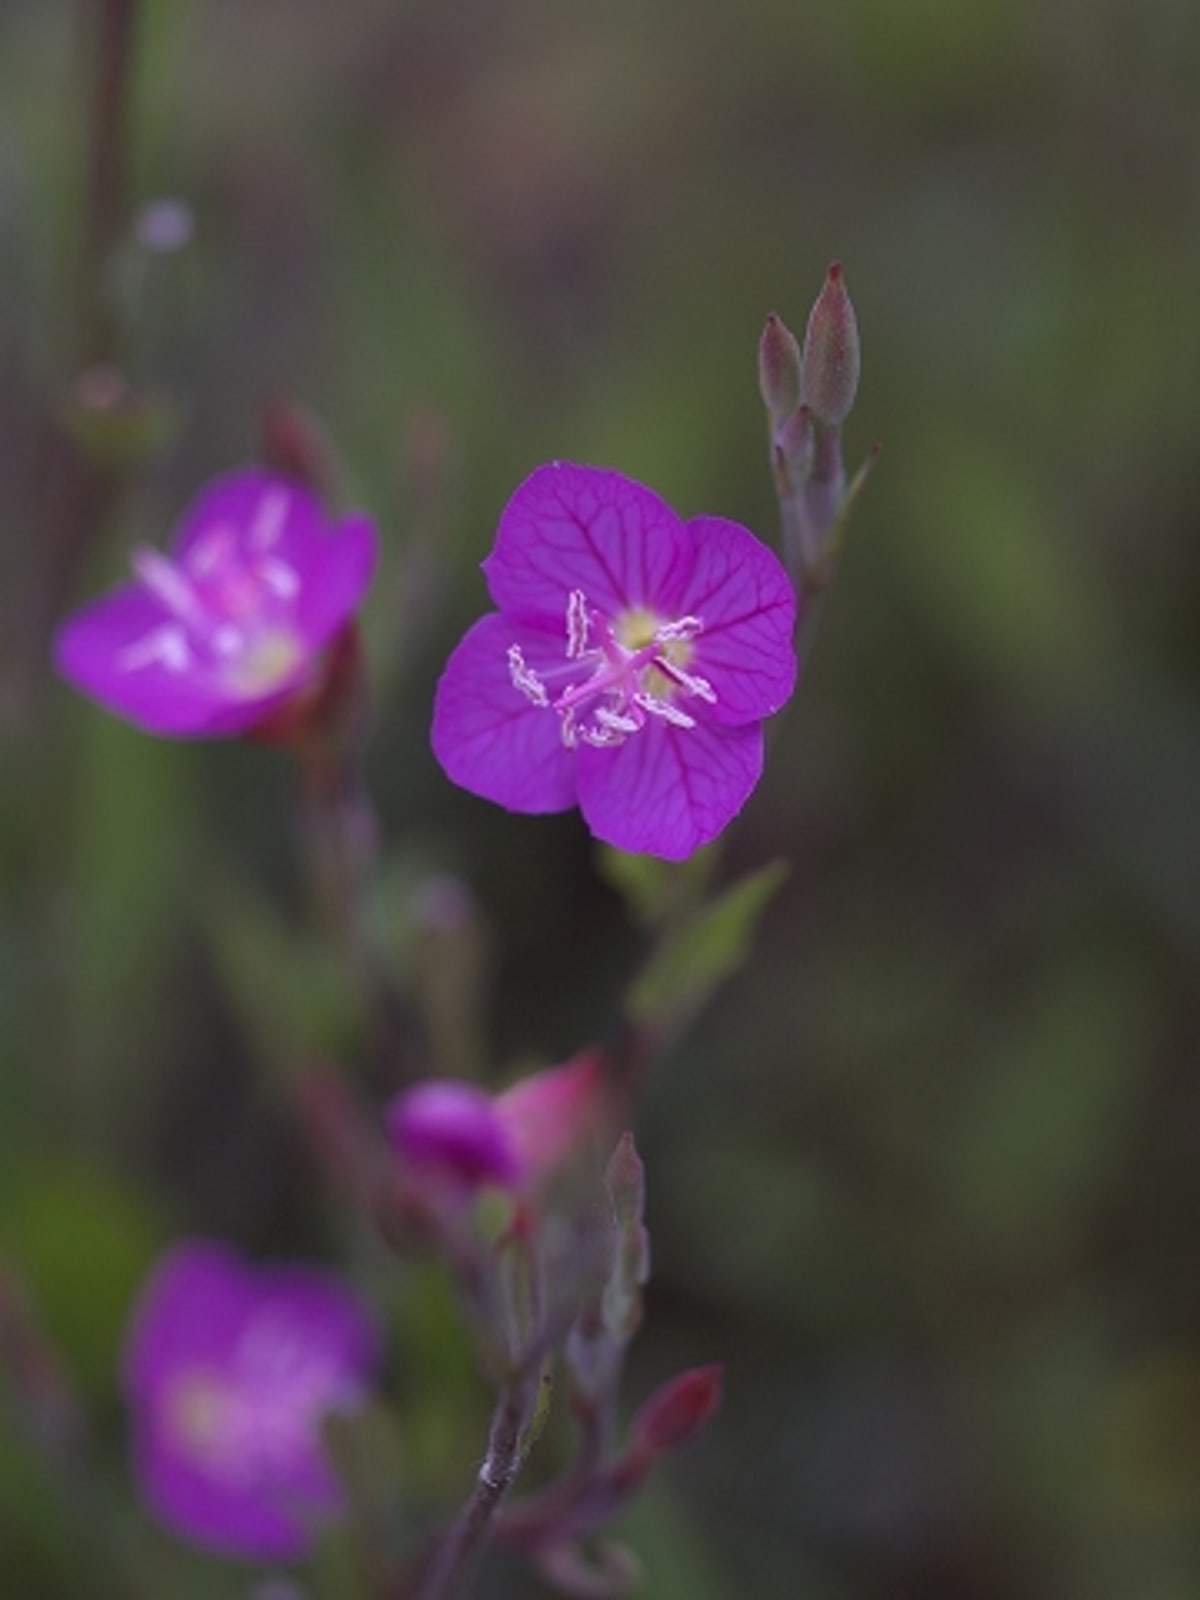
x=779, y=369
x=831, y=360
x=674, y=1414
x=548, y=1114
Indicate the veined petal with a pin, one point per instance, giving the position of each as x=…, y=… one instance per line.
x=487, y=736
x=585, y=528
x=745, y=598
x=116, y=650
x=668, y=790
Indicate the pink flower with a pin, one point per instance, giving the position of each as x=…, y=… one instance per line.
x=215, y=637
x=628, y=669
x=453, y=1132
x=228, y=1372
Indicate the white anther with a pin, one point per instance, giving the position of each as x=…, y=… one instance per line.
x=209, y=551
x=577, y=624
x=688, y=681
x=615, y=722
x=664, y=709
x=168, y=585
x=165, y=646
x=268, y=521
x=228, y=640
x=600, y=738
x=525, y=678
x=684, y=628
x=281, y=579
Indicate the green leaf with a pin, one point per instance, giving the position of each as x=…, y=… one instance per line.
x=696, y=957
x=654, y=890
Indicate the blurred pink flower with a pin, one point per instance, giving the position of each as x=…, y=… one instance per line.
x=228, y=1372
x=214, y=638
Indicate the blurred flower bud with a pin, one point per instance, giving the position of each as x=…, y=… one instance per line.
x=164, y=226
x=453, y=1131
x=794, y=446
x=114, y=424
x=294, y=443
x=674, y=1414
x=779, y=369
x=830, y=363
x=550, y=1113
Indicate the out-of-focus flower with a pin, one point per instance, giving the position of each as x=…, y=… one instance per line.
x=165, y=225
x=228, y=1372
x=629, y=668
x=214, y=638
x=452, y=1132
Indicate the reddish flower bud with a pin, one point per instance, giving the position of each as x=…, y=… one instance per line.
x=779, y=369
x=295, y=444
x=830, y=364
x=547, y=1114
x=674, y=1414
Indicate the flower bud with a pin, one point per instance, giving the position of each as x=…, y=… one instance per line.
x=674, y=1414
x=294, y=443
x=547, y=1114
x=452, y=1130
x=794, y=446
x=829, y=366
x=779, y=369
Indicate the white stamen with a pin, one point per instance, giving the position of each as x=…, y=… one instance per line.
x=684, y=628
x=280, y=578
x=577, y=624
x=599, y=738
x=208, y=552
x=167, y=584
x=228, y=640
x=664, y=709
x=166, y=645
x=525, y=678
x=615, y=722
x=700, y=687
x=268, y=521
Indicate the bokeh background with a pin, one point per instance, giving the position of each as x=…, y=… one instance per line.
x=927, y=1174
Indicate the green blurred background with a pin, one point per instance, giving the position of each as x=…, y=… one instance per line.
x=928, y=1175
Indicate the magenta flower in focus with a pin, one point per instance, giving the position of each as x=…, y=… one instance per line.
x=629, y=668
x=228, y=1373
x=213, y=638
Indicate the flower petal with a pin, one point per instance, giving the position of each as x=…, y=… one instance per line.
x=587, y=528
x=330, y=1319
x=748, y=605
x=219, y=1516
x=668, y=790
x=106, y=649
x=265, y=513
x=278, y=520
x=334, y=576
x=192, y=1309
x=487, y=736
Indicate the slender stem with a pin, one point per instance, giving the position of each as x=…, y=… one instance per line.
x=112, y=36
x=456, y=1556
